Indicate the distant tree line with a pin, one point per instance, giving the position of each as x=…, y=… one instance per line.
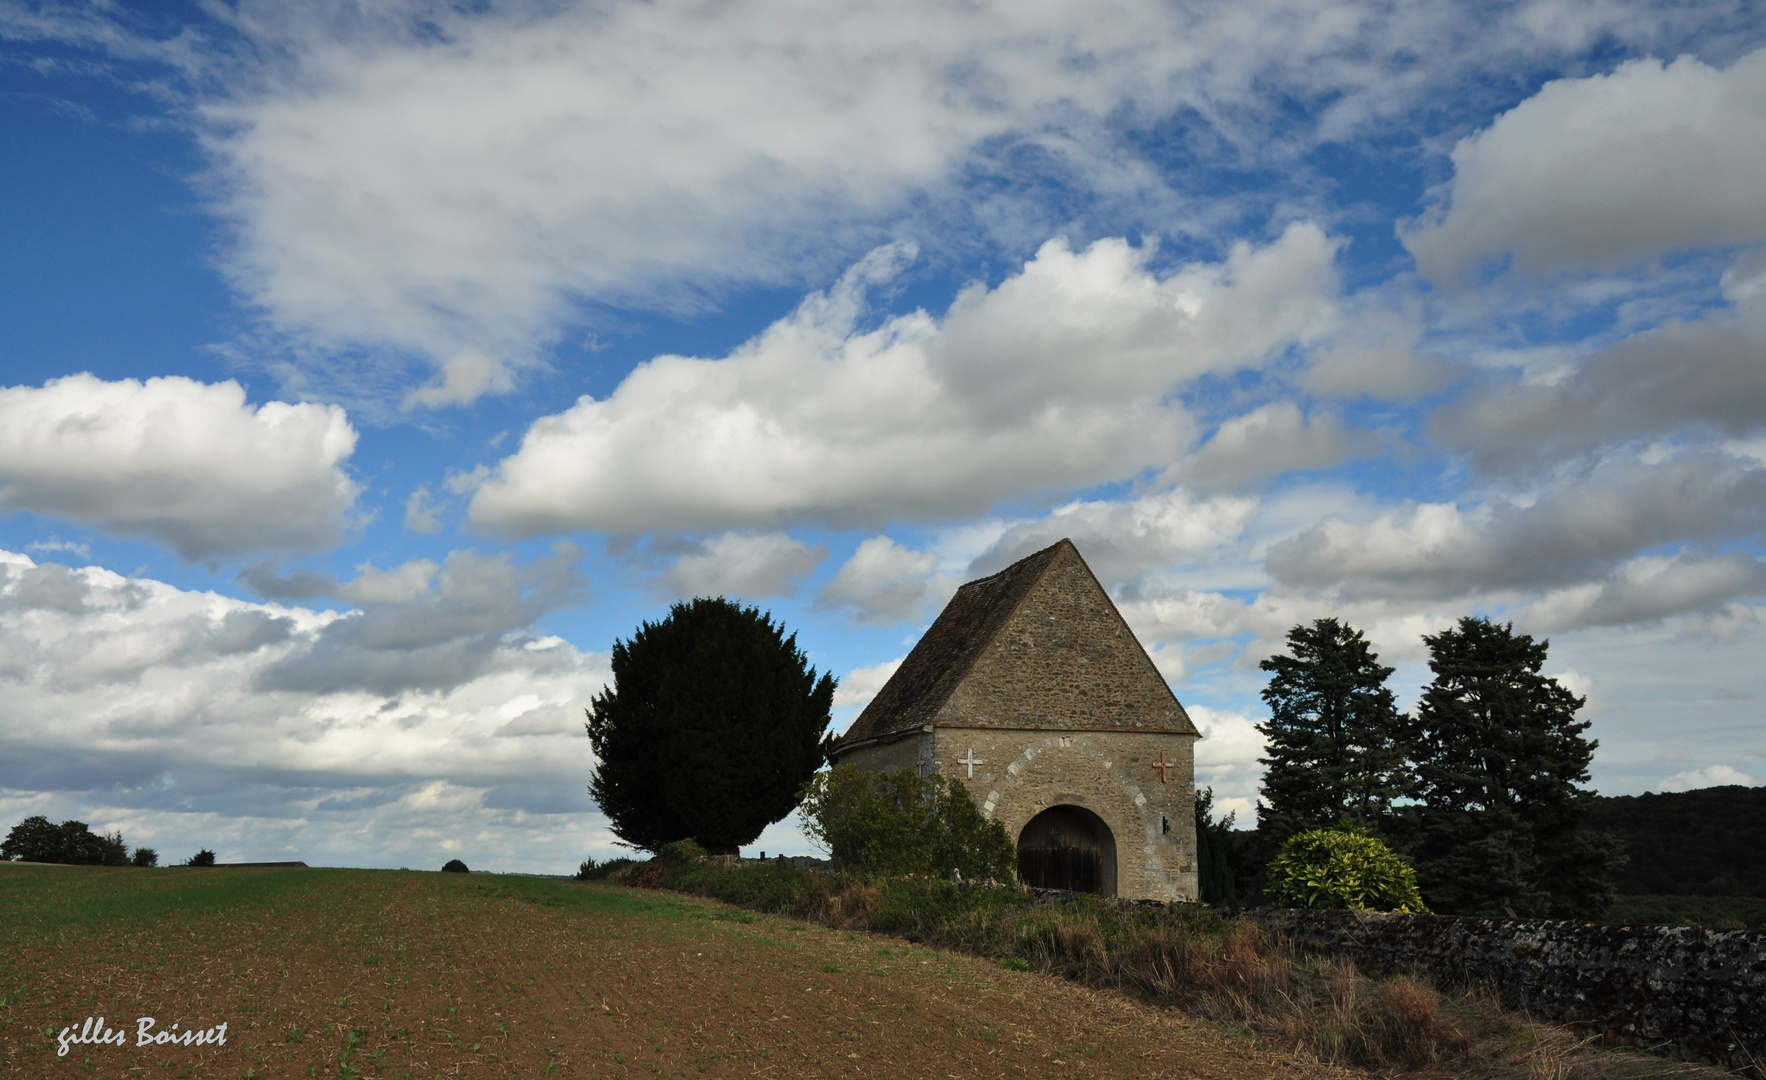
x=1710, y=842
x=1481, y=790
x=73, y=843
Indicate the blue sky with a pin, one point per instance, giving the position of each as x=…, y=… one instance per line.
x=366, y=370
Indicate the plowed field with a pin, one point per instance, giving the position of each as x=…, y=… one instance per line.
x=359, y=973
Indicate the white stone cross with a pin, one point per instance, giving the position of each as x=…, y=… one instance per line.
x=970, y=760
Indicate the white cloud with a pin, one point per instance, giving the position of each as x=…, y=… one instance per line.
x=187, y=464
x=1122, y=540
x=407, y=636
x=1710, y=776
x=1575, y=533
x=1172, y=621
x=454, y=183
x=817, y=420
x=858, y=686
x=1226, y=760
x=423, y=512
x=856, y=689
x=1265, y=442
x=173, y=709
x=1600, y=171
x=1683, y=378
x=465, y=376
x=1649, y=588
x=400, y=585
x=84, y=551
x=886, y=583
x=1575, y=682
x=751, y=565
x=1375, y=350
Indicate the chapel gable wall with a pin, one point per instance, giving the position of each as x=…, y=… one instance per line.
x=1065, y=659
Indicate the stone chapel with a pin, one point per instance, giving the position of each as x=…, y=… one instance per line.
x=1031, y=689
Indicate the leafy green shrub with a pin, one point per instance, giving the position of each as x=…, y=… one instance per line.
x=145, y=856
x=205, y=857
x=455, y=866
x=892, y=824
x=1342, y=868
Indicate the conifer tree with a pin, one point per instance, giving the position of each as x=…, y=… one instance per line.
x=1333, y=731
x=713, y=723
x=1499, y=755
x=1215, y=844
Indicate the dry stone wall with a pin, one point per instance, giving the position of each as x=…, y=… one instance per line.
x=1697, y=994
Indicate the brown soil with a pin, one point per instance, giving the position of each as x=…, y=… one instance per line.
x=393, y=974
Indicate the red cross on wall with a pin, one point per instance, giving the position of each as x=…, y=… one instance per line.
x=1163, y=766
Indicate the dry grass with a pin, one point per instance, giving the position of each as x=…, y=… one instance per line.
x=1220, y=969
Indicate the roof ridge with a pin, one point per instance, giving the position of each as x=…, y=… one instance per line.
x=1000, y=617
x=942, y=679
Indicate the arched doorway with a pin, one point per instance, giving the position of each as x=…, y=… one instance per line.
x=1068, y=847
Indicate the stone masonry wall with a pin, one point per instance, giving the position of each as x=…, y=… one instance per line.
x=912, y=752
x=1697, y=994
x=1021, y=773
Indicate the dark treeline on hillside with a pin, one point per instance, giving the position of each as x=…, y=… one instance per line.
x=1710, y=842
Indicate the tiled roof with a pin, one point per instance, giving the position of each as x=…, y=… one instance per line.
x=914, y=694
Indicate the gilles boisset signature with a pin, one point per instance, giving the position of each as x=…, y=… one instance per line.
x=92, y=1032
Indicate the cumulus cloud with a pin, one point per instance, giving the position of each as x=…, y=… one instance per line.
x=371, y=585
x=885, y=583
x=858, y=686
x=453, y=182
x=1226, y=760
x=1265, y=442
x=1600, y=171
x=1193, y=627
x=816, y=419
x=1694, y=378
x=1577, y=532
x=751, y=565
x=1710, y=776
x=1376, y=351
x=1122, y=540
x=188, y=464
x=422, y=512
x=1650, y=588
x=154, y=702
x=399, y=585
x=409, y=635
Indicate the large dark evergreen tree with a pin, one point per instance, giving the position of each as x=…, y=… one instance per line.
x=1333, y=734
x=1499, y=755
x=1216, y=846
x=713, y=724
